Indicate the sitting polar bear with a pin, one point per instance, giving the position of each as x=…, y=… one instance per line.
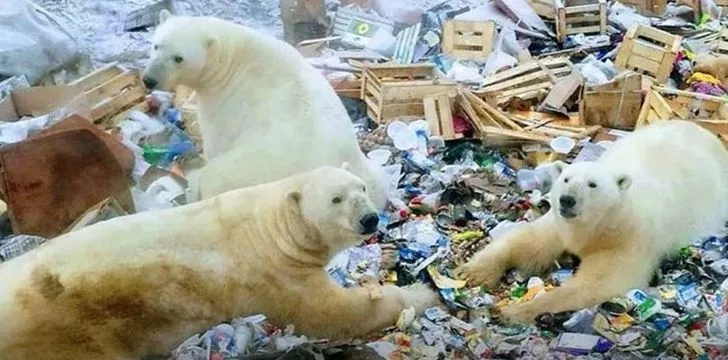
x=139, y=285
x=651, y=192
x=264, y=112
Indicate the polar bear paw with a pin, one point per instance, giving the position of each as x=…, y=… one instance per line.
x=419, y=296
x=481, y=271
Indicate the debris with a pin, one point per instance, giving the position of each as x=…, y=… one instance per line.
x=580, y=17
x=468, y=40
x=616, y=104
x=650, y=51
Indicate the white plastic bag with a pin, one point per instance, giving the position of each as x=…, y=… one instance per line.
x=33, y=42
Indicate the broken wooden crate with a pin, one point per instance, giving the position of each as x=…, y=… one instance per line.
x=649, y=51
x=710, y=112
x=468, y=39
x=111, y=90
x=497, y=127
x=615, y=104
x=393, y=91
x=580, y=17
x=666, y=104
x=526, y=81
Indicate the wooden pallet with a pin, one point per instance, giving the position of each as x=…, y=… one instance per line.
x=544, y=8
x=666, y=104
x=647, y=7
x=396, y=91
x=438, y=113
x=467, y=39
x=110, y=90
x=580, y=17
x=526, y=81
x=649, y=51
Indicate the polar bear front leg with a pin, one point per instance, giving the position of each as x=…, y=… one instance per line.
x=531, y=247
x=337, y=313
x=600, y=277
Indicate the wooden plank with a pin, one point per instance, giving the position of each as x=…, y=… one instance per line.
x=446, y=123
x=662, y=36
x=113, y=86
x=517, y=134
x=116, y=104
x=431, y=115
x=97, y=77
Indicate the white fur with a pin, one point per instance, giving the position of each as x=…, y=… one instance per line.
x=138, y=285
x=655, y=190
x=264, y=112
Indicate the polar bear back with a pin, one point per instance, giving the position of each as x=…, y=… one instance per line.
x=679, y=173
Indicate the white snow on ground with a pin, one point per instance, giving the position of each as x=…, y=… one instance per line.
x=98, y=24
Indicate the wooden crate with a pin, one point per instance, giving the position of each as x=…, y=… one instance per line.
x=392, y=91
x=438, y=113
x=110, y=90
x=467, y=39
x=616, y=104
x=647, y=7
x=526, y=81
x=649, y=51
x=580, y=16
x=544, y=8
x=348, y=88
x=666, y=104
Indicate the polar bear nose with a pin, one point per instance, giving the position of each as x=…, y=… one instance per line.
x=149, y=82
x=369, y=223
x=567, y=201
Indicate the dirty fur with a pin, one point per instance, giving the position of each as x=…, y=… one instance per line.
x=650, y=193
x=139, y=285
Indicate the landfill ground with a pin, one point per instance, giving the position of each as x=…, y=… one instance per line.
x=467, y=160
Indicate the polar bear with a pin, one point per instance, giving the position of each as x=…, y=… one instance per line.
x=651, y=192
x=264, y=112
x=139, y=285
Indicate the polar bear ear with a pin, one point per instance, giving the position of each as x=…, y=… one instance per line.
x=164, y=15
x=346, y=166
x=294, y=197
x=559, y=167
x=624, y=182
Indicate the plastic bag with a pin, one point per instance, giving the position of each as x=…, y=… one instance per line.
x=33, y=42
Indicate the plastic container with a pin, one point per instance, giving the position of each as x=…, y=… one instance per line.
x=379, y=156
x=404, y=138
x=563, y=144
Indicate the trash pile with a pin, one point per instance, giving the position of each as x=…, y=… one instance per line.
x=466, y=110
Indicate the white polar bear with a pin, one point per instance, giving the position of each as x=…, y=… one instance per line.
x=264, y=112
x=650, y=193
x=139, y=285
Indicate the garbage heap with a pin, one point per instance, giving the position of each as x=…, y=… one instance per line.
x=465, y=109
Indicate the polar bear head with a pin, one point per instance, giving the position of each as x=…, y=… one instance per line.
x=180, y=49
x=587, y=191
x=335, y=202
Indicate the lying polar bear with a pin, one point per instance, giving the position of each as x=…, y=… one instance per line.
x=139, y=285
x=264, y=112
x=650, y=193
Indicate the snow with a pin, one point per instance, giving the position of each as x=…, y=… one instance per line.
x=98, y=24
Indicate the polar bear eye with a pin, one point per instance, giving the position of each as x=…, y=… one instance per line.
x=336, y=200
x=592, y=185
x=156, y=47
x=364, y=188
x=178, y=59
x=566, y=180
